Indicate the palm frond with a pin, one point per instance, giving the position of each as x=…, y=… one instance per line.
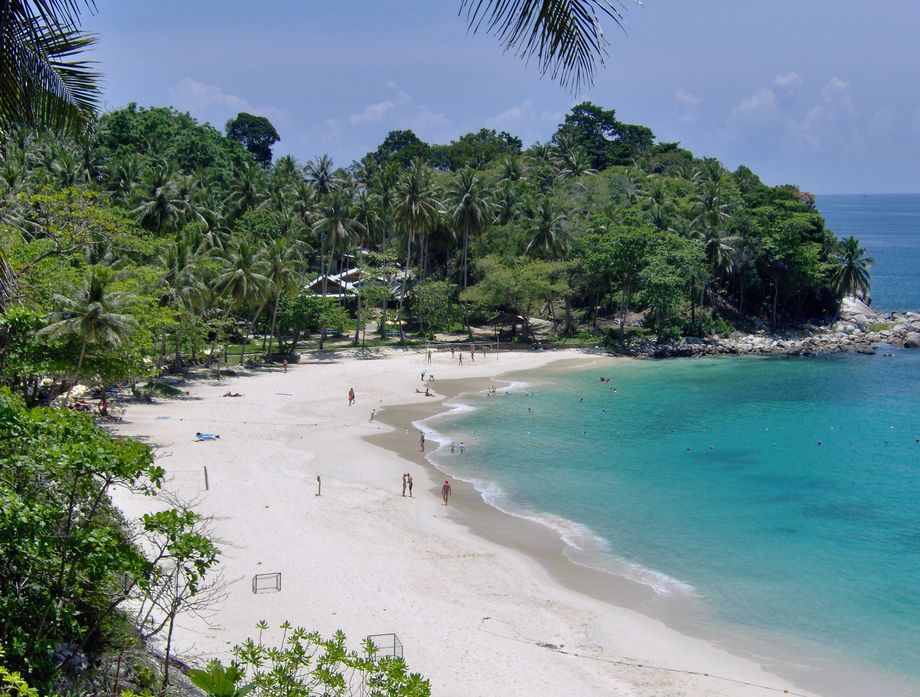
x=40, y=83
x=566, y=36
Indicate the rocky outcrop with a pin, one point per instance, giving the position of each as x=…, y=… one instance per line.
x=858, y=328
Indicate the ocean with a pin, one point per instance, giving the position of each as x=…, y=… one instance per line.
x=781, y=494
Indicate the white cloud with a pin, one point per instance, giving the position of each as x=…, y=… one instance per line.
x=687, y=99
x=788, y=80
x=832, y=120
x=760, y=106
x=507, y=119
x=211, y=103
x=424, y=118
x=378, y=110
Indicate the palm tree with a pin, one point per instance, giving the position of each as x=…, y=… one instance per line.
x=39, y=83
x=469, y=209
x=505, y=203
x=547, y=229
x=163, y=206
x=91, y=313
x=336, y=228
x=284, y=264
x=321, y=175
x=243, y=280
x=181, y=285
x=248, y=190
x=565, y=36
x=851, y=277
x=416, y=211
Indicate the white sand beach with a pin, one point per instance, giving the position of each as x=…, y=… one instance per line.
x=475, y=617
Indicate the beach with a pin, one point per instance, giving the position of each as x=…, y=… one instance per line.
x=482, y=605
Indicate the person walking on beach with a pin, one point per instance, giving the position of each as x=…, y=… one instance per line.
x=410, y=482
x=423, y=374
x=421, y=441
x=461, y=359
x=429, y=356
x=405, y=482
x=461, y=448
x=452, y=352
x=373, y=413
x=445, y=491
x=351, y=396
x=284, y=366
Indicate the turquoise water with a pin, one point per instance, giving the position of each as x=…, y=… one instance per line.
x=783, y=493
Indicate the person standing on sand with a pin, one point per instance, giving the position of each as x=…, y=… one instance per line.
x=284, y=366
x=421, y=441
x=452, y=351
x=461, y=359
x=445, y=491
x=351, y=396
x=405, y=482
x=373, y=413
x=429, y=356
x=410, y=482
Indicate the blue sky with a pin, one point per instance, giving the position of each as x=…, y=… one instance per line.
x=821, y=93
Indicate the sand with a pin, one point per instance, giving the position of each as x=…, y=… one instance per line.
x=476, y=616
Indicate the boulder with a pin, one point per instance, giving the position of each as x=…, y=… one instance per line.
x=912, y=340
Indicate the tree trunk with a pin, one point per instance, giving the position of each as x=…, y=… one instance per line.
x=466, y=245
x=271, y=337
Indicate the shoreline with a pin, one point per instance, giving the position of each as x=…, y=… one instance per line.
x=545, y=546
x=363, y=559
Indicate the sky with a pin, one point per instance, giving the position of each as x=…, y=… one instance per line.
x=824, y=94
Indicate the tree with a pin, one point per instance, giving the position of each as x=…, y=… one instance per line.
x=284, y=269
x=39, y=86
x=401, y=147
x=434, y=303
x=548, y=235
x=244, y=282
x=606, y=140
x=91, y=314
x=469, y=209
x=256, y=134
x=851, y=277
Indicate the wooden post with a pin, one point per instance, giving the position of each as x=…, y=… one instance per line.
x=205, y=478
x=319, y=485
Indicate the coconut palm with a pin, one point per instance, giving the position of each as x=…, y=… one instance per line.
x=40, y=83
x=92, y=314
x=162, y=206
x=284, y=267
x=416, y=211
x=469, y=209
x=336, y=227
x=505, y=203
x=247, y=191
x=547, y=230
x=181, y=286
x=851, y=277
x=321, y=175
x=243, y=281
x=565, y=36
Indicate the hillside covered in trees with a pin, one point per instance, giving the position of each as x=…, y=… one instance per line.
x=155, y=235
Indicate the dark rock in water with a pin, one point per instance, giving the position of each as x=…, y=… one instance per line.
x=868, y=350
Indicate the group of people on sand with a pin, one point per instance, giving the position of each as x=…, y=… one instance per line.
x=407, y=484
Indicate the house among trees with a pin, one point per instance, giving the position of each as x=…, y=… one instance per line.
x=349, y=282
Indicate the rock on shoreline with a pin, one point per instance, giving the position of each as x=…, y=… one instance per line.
x=858, y=328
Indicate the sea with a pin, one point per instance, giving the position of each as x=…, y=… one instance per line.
x=781, y=494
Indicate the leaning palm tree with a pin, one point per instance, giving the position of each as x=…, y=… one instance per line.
x=40, y=83
x=181, y=286
x=565, y=36
x=92, y=314
x=851, y=276
x=469, y=209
